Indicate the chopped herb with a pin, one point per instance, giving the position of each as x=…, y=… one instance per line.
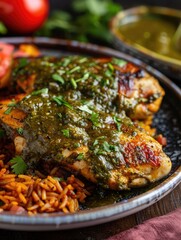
x=95, y=119
x=82, y=60
x=60, y=101
x=74, y=69
x=8, y=110
x=66, y=62
x=76, y=145
x=59, y=179
x=106, y=146
x=21, y=64
x=80, y=156
x=108, y=73
x=10, y=107
x=85, y=108
x=41, y=91
x=111, y=67
x=19, y=166
x=20, y=131
x=85, y=77
x=73, y=82
x=66, y=132
x=59, y=115
x=95, y=142
x=13, y=104
x=119, y=62
x=58, y=78
x=117, y=122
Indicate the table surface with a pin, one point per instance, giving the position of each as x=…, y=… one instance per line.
x=169, y=203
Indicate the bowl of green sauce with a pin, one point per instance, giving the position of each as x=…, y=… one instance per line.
x=148, y=33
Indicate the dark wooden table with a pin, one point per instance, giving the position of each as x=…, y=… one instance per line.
x=169, y=203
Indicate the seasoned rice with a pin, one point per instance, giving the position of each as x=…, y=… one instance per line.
x=39, y=194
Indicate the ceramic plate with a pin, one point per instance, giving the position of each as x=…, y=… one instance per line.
x=166, y=121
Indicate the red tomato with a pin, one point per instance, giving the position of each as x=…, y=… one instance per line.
x=6, y=51
x=23, y=16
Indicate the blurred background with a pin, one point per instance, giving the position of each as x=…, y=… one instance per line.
x=124, y=3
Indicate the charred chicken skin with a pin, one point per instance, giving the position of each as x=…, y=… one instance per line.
x=77, y=111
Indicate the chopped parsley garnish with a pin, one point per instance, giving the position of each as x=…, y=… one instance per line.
x=66, y=62
x=111, y=67
x=18, y=165
x=58, y=78
x=20, y=131
x=59, y=179
x=85, y=77
x=39, y=92
x=66, y=132
x=60, y=101
x=85, y=108
x=117, y=122
x=21, y=64
x=80, y=156
x=95, y=119
x=109, y=148
x=73, y=82
x=119, y=62
x=77, y=145
x=10, y=107
x=74, y=69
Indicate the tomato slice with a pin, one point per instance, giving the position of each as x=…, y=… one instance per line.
x=6, y=51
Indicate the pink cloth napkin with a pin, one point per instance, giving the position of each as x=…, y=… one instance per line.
x=167, y=227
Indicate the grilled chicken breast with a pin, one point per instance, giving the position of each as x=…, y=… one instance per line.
x=105, y=148
x=109, y=84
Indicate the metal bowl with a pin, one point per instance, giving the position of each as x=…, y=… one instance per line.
x=169, y=66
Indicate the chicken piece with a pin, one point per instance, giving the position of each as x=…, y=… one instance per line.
x=109, y=84
x=106, y=149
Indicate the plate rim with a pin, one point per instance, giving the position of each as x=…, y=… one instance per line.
x=109, y=212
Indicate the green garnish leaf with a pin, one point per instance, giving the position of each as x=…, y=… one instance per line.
x=60, y=101
x=85, y=108
x=8, y=111
x=80, y=156
x=119, y=62
x=85, y=77
x=19, y=166
x=20, y=131
x=117, y=122
x=58, y=78
x=39, y=92
x=95, y=119
x=66, y=132
x=73, y=82
x=10, y=107
x=75, y=69
x=59, y=179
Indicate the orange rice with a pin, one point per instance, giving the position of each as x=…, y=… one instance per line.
x=34, y=194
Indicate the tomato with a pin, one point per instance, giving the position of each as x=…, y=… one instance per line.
x=23, y=16
x=6, y=51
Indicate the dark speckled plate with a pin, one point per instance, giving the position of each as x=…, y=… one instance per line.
x=166, y=121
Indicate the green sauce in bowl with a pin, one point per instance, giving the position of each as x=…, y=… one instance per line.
x=153, y=33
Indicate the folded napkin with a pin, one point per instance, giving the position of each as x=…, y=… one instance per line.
x=167, y=227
